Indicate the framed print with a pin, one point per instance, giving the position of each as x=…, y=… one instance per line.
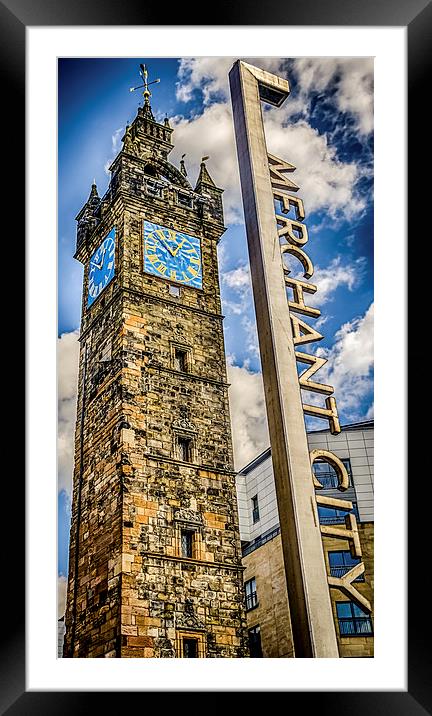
x=33, y=40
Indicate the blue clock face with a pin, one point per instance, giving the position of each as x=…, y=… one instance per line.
x=101, y=269
x=172, y=255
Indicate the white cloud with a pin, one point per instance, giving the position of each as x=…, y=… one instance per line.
x=350, y=365
x=216, y=128
x=61, y=595
x=248, y=414
x=239, y=281
x=67, y=366
x=238, y=278
x=115, y=148
x=210, y=75
x=325, y=182
x=352, y=79
x=355, y=93
x=329, y=279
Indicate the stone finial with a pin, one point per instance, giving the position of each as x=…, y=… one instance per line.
x=182, y=166
x=204, y=176
x=127, y=140
x=93, y=192
x=147, y=110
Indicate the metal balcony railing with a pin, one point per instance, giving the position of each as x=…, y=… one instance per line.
x=342, y=569
x=336, y=519
x=332, y=520
x=355, y=626
x=259, y=541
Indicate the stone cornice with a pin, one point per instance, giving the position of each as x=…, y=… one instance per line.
x=188, y=560
x=151, y=297
x=193, y=465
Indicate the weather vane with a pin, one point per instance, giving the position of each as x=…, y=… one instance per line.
x=144, y=76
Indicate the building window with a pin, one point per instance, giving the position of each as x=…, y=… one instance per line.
x=184, y=200
x=150, y=170
x=180, y=360
x=187, y=539
x=251, y=594
x=153, y=188
x=190, y=648
x=326, y=474
x=255, y=642
x=174, y=291
x=332, y=516
x=181, y=357
x=185, y=449
x=353, y=621
x=341, y=562
x=190, y=645
x=255, y=509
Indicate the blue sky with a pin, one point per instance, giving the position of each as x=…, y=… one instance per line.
x=325, y=129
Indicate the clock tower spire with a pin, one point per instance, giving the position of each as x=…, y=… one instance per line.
x=155, y=560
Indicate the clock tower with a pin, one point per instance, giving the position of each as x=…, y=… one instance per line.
x=155, y=559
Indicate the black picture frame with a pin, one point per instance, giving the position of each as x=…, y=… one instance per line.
x=416, y=16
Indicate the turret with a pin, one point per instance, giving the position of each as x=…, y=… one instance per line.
x=87, y=221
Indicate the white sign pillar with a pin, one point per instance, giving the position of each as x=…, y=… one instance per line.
x=308, y=592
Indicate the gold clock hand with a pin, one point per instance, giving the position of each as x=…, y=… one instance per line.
x=178, y=247
x=167, y=246
x=99, y=266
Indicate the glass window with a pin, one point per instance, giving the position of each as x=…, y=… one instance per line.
x=184, y=200
x=255, y=642
x=251, y=594
x=185, y=449
x=326, y=474
x=331, y=516
x=180, y=360
x=255, y=509
x=187, y=543
x=341, y=562
x=153, y=188
x=190, y=648
x=174, y=290
x=353, y=621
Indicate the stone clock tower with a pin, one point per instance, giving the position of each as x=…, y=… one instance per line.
x=155, y=560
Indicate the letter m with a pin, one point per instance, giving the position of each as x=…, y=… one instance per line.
x=279, y=180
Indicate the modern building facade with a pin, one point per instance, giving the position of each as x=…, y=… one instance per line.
x=155, y=556
x=268, y=615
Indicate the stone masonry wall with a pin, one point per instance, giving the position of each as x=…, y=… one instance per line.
x=137, y=595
